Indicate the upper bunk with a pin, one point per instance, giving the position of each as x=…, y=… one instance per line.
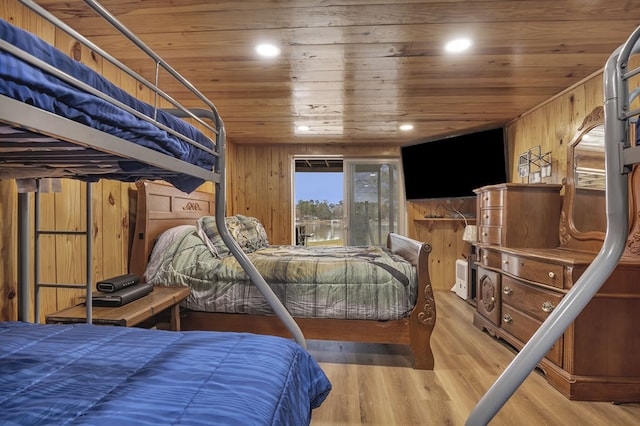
x=60, y=118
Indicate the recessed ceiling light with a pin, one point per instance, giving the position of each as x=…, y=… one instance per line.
x=268, y=50
x=458, y=45
x=303, y=128
x=406, y=127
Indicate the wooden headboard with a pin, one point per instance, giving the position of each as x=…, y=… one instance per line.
x=160, y=207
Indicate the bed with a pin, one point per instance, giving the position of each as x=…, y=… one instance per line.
x=352, y=312
x=88, y=374
x=59, y=118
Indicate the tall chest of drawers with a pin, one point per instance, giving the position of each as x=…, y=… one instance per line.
x=518, y=287
x=519, y=215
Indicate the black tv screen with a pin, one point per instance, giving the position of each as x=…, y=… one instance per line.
x=453, y=167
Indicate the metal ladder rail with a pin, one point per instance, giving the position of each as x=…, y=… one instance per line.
x=618, y=155
x=221, y=206
x=38, y=285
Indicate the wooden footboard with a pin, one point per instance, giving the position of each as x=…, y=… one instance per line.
x=423, y=317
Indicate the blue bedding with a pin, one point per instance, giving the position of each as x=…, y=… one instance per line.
x=85, y=374
x=21, y=81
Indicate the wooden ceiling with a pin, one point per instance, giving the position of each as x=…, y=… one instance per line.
x=354, y=70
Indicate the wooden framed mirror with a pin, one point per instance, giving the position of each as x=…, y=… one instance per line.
x=583, y=220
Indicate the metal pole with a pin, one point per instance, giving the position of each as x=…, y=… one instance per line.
x=89, y=259
x=23, y=256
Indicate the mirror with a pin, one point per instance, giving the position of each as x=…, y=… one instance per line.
x=583, y=222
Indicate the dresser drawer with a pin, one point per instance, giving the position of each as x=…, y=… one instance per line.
x=533, y=301
x=522, y=327
x=490, y=258
x=533, y=270
x=490, y=235
x=491, y=199
x=491, y=217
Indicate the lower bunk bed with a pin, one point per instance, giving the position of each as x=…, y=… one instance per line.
x=101, y=375
x=359, y=294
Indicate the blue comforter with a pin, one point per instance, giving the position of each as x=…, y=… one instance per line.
x=84, y=374
x=22, y=81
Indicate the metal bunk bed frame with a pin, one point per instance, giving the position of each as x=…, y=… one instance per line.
x=39, y=122
x=620, y=155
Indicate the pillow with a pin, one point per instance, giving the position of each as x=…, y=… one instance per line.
x=208, y=232
x=246, y=230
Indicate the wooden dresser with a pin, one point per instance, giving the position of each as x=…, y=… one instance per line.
x=512, y=214
x=596, y=359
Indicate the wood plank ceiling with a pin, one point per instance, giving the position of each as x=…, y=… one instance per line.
x=354, y=70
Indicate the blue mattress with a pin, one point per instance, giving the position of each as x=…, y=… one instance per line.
x=22, y=81
x=85, y=374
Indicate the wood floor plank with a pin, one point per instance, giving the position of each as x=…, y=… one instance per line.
x=375, y=385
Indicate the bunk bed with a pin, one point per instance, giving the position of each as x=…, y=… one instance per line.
x=622, y=150
x=361, y=294
x=58, y=118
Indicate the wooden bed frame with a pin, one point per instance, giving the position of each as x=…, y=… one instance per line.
x=160, y=207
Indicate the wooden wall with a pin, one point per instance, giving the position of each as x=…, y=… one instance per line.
x=260, y=180
x=553, y=126
x=259, y=184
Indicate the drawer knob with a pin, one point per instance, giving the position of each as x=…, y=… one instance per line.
x=547, y=307
x=507, y=318
x=505, y=262
x=485, y=257
x=507, y=290
x=486, y=216
x=552, y=274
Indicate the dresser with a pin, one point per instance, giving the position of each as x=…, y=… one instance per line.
x=596, y=359
x=519, y=215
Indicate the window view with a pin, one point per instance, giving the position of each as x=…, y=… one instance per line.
x=370, y=202
x=319, y=202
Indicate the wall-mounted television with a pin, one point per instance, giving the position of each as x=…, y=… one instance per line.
x=453, y=167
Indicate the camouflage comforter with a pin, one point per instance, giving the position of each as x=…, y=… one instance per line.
x=327, y=282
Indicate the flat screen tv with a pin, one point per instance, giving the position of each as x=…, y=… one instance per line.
x=453, y=167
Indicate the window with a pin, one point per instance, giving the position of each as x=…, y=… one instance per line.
x=347, y=201
x=318, y=198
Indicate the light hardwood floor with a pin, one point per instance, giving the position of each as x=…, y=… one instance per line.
x=375, y=385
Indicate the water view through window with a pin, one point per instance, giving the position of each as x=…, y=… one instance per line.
x=319, y=208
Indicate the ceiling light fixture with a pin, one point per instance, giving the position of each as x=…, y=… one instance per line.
x=268, y=50
x=406, y=127
x=303, y=128
x=458, y=45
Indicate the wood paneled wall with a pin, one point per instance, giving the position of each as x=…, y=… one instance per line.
x=553, y=126
x=259, y=183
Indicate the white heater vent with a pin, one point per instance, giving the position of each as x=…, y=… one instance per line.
x=462, y=279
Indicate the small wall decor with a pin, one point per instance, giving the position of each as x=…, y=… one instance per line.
x=533, y=165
